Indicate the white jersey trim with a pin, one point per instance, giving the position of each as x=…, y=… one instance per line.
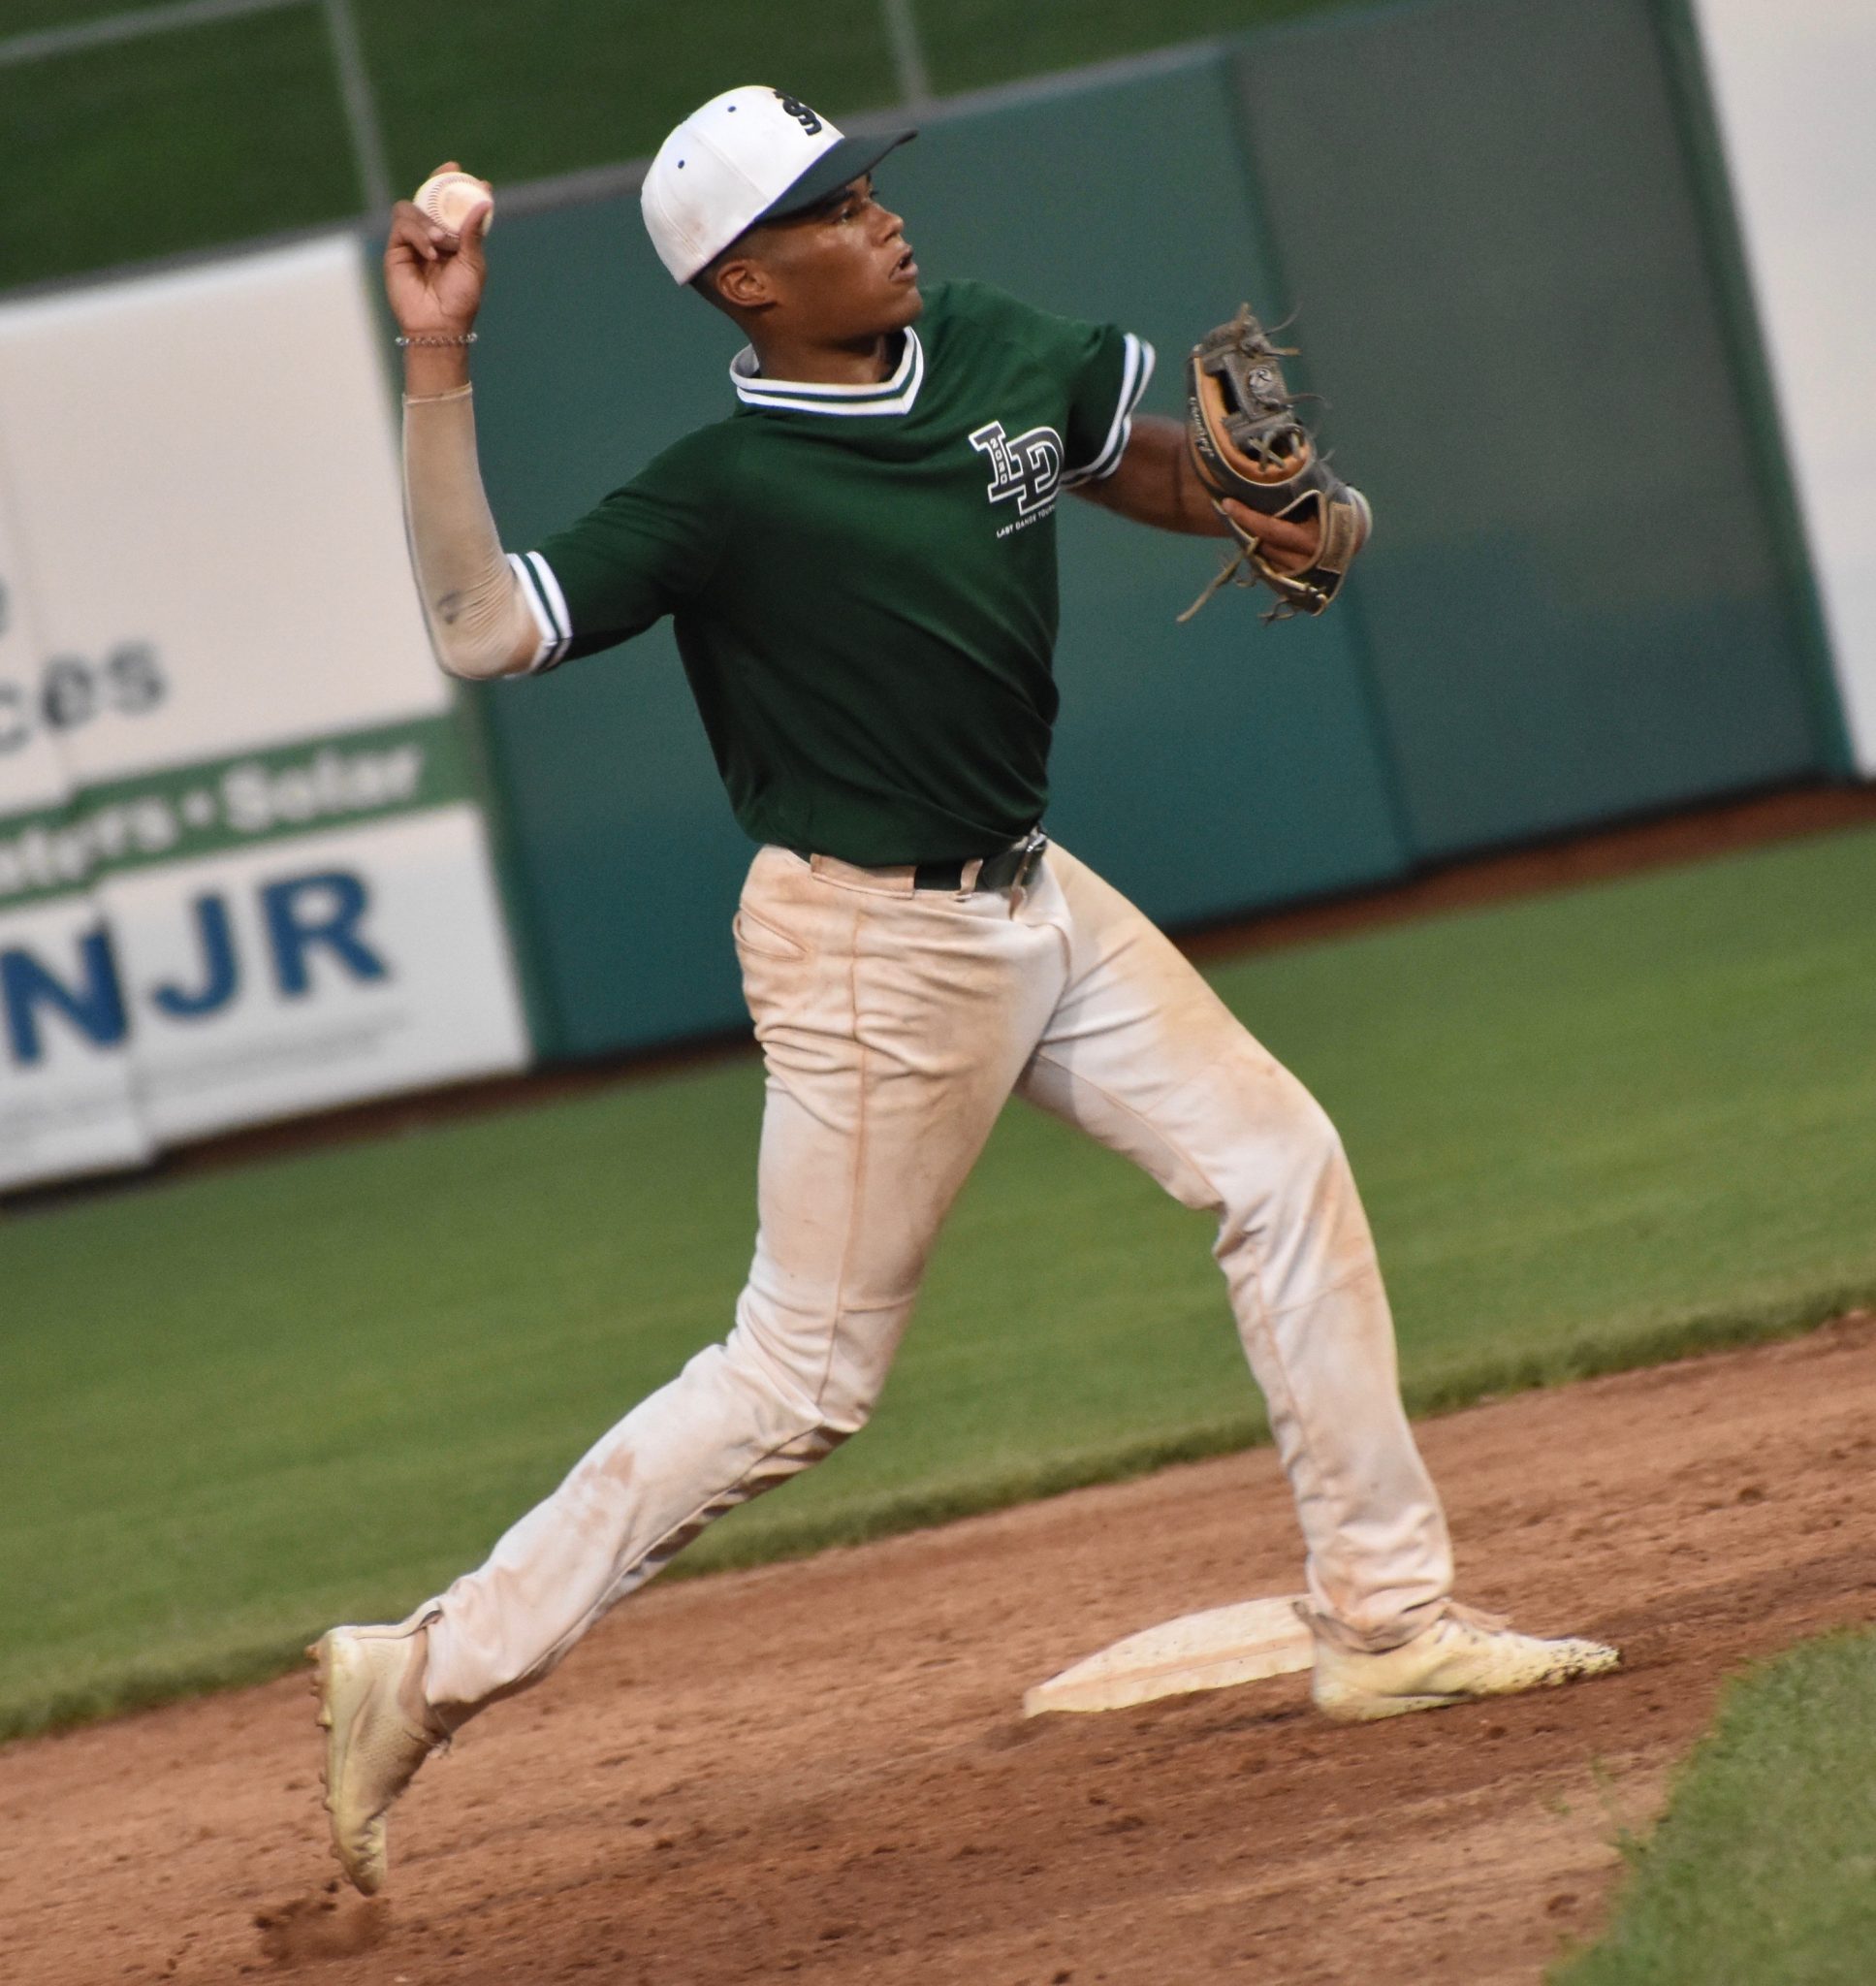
x=891, y=396
x=1135, y=370
x=547, y=604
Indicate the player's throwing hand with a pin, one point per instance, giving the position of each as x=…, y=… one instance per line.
x=433, y=277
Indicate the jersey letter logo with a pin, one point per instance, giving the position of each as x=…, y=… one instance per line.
x=1028, y=469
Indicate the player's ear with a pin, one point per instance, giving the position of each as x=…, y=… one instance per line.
x=743, y=283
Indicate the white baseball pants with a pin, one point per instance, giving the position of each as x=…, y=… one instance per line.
x=894, y=1025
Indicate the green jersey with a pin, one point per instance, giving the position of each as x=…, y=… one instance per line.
x=862, y=579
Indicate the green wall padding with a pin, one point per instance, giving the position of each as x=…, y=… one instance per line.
x=1206, y=769
x=1222, y=764
x=1487, y=215
x=1573, y=609
x=625, y=860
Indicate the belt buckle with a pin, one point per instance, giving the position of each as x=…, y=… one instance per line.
x=1030, y=851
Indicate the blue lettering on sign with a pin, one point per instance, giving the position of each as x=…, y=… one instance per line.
x=309, y=911
x=221, y=971
x=303, y=916
x=12, y=722
x=95, y=1006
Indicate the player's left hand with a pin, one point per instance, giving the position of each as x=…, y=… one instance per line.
x=1252, y=454
x=1290, y=547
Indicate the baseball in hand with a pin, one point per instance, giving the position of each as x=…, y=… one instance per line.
x=450, y=197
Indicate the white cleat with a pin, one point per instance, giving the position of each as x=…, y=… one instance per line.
x=1463, y=1655
x=374, y=1744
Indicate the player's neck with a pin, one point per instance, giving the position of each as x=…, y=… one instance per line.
x=862, y=361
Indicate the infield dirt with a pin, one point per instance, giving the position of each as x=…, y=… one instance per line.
x=819, y=1768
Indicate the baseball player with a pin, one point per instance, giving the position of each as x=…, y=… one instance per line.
x=860, y=562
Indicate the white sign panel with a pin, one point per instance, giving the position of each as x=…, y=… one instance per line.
x=1794, y=84
x=236, y=815
x=266, y=982
x=65, y=1097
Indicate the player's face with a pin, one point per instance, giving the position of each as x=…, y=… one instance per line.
x=843, y=271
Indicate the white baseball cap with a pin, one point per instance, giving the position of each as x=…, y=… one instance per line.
x=751, y=154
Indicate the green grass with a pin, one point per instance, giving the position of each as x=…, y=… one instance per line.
x=1592, y=1130
x=213, y=135
x=1764, y=1872
x=27, y=16
x=176, y=142
x=590, y=82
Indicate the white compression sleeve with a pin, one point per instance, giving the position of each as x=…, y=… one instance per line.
x=485, y=620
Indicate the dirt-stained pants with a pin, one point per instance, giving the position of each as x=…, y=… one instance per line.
x=895, y=1024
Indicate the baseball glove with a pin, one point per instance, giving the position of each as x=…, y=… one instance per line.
x=1246, y=444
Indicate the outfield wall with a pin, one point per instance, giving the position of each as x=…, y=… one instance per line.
x=244, y=840
x=1587, y=596
x=243, y=870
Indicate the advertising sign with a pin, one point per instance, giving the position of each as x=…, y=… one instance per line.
x=65, y=1097
x=1791, y=85
x=242, y=868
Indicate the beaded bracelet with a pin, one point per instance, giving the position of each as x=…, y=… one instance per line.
x=467, y=337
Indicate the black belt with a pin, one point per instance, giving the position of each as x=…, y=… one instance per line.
x=1008, y=869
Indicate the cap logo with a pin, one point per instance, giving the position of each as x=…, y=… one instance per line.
x=801, y=113
x=748, y=154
